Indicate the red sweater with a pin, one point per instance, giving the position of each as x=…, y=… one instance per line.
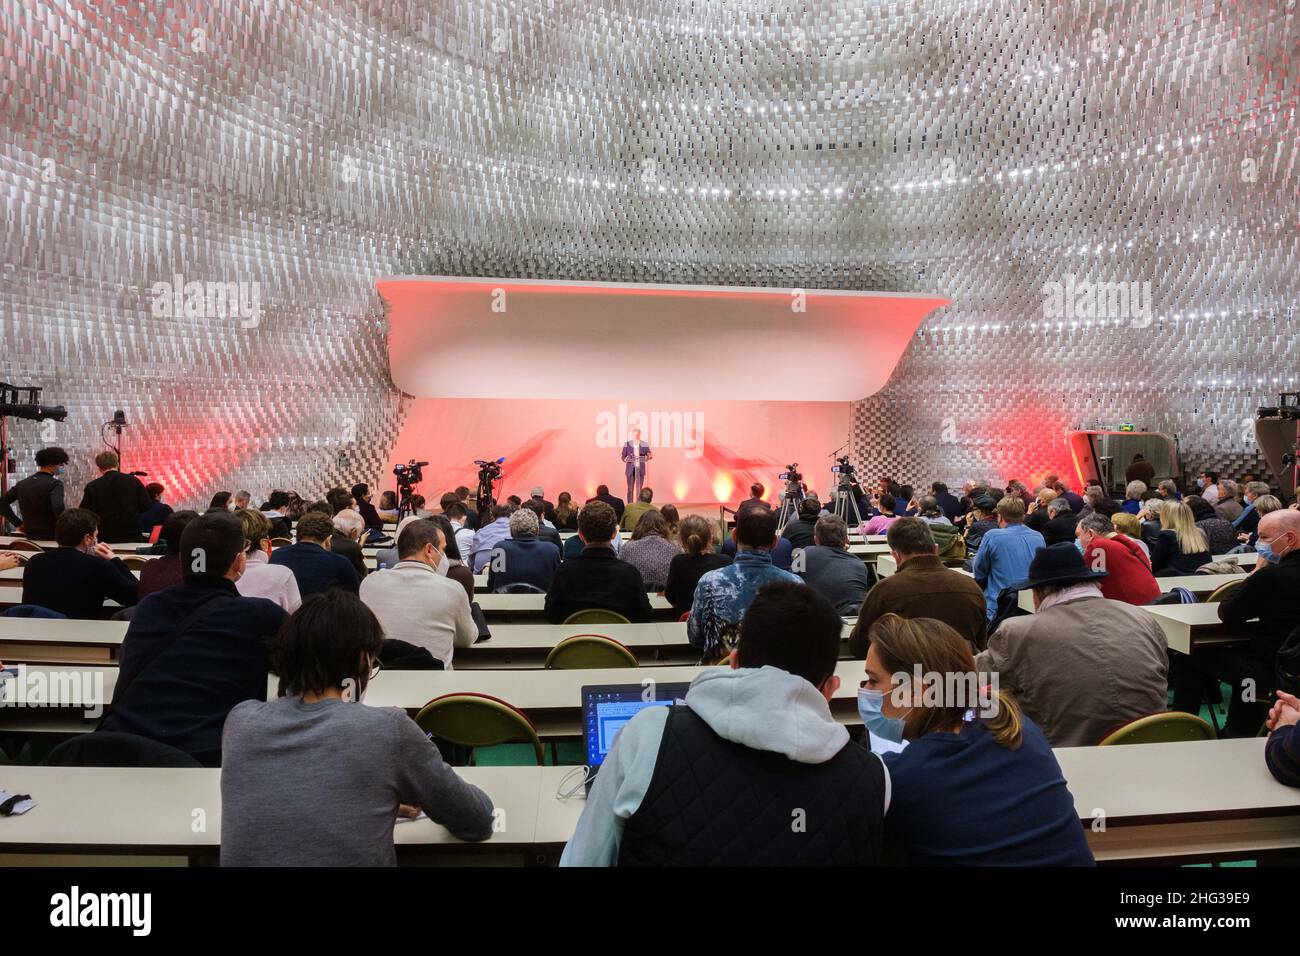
x=1128, y=572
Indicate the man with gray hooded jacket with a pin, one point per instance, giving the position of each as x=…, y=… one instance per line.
x=752, y=770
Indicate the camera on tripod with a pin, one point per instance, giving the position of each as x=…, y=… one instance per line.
x=844, y=470
x=791, y=473
x=489, y=471
x=410, y=474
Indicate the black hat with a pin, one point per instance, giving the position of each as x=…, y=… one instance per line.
x=985, y=503
x=1057, y=564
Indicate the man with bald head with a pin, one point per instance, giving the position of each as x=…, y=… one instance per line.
x=1271, y=594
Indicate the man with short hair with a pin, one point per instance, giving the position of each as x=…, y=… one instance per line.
x=1168, y=489
x=1082, y=664
x=261, y=578
x=948, y=503
x=1061, y=521
x=349, y=529
x=802, y=530
x=827, y=567
x=1229, y=507
x=538, y=494
x=596, y=578
x=636, y=453
x=39, y=497
x=1128, y=569
x=195, y=650
x=274, y=513
x=1005, y=552
x=764, y=731
x=722, y=596
x=1207, y=482
x=633, y=512
x=314, y=565
x=1248, y=521
x=243, y=499
x=416, y=604
x=545, y=529
x=523, y=558
x=922, y=587
x=1266, y=609
x=615, y=502
x=81, y=573
x=459, y=518
x=489, y=536
x=118, y=499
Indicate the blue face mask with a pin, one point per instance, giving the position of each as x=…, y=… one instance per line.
x=886, y=728
x=1266, y=552
x=1078, y=544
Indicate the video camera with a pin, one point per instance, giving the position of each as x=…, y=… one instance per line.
x=791, y=473
x=489, y=471
x=842, y=467
x=410, y=474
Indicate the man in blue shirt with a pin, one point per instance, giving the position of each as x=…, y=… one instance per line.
x=489, y=536
x=723, y=596
x=1005, y=552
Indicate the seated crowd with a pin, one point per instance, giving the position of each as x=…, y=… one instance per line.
x=236, y=593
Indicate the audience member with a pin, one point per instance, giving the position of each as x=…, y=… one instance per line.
x=762, y=727
x=488, y=537
x=651, y=550
x=879, y=524
x=1128, y=569
x=523, y=558
x=78, y=576
x=166, y=571
x=1005, y=553
x=157, y=511
x=595, y=578
x=315, y=567
x=1082, y=664
x=697, y=559
x=308, y=779
x=261, y=578
x=633, y=512
x=827, y=567
x=1180, y=547
x=194, y=651
x=1220, y=538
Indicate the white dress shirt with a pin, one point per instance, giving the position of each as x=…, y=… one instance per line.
x=274, y=582
x=414, y=603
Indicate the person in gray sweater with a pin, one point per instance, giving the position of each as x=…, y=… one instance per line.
x=829, y=569
x=314, y=777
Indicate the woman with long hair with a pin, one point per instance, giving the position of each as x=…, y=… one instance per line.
x=566, y=515
x=698, y=557
x=1180, y=547
x=978, y=784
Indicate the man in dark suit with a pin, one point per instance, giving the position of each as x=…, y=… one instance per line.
x=596, y=578
x=315, y=567
x=602, y=494
x=39, y=496
x=118, y=499
x=77, y=576
x=635, y=455
x=544, y=532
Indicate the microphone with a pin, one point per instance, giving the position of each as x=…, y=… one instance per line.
x=119, y=419
x=501, y=460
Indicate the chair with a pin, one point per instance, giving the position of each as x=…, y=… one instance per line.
x=105, y=748
x=280, y=542
x=589, y=650
x=134, y=562
x=1168, y=727
x=519, y=587
x=22, y=544
x=478, y=720
x=686, y=616
x=1223, y=590
x=596, y=615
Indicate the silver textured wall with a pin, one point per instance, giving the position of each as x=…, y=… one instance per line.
x=975, y=149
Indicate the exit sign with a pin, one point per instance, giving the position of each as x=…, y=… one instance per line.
x=1126, y=427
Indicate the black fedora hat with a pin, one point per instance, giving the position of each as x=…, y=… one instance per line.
x=1057, y=564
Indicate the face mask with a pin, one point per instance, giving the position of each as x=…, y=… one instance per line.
x=1263, y=549
x=60, y=471
x=1078, y=544
x=443, y=565
x=886, y=728
x=1200, y=482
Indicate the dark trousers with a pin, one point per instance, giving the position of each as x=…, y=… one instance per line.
x=636, y=478
x=1240, y=668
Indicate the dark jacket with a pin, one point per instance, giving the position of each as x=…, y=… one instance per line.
x=40, y=499
x=839, y=577
x=548, y=509
x=161, y=573
x=177, y=688
x=950, y=505
x=155, y=515
x=342, y=545
x=316, y=569
x=1271, y=594
x=552, y=535
x=1060, y=528
x=118, y=499
x=1167, y=559
x=76, y=584
x=596, y=578
x=685, y=571
x=525, y=559
x=614, y=502
x=799, y=532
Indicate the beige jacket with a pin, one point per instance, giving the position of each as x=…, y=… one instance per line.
x=1081, y=667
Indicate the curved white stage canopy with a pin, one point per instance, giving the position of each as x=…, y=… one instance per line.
x=457, y=337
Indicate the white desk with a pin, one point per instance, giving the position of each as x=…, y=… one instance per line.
x=52, y=639
x=524, y=604
x=1196, y=583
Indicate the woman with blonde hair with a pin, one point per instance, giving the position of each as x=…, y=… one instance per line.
x=977, y=784
x=1180, y=547
x=698, y=536
x=566, y=515
x=1129, y=526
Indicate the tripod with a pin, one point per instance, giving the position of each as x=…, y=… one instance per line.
x=790, y=501
x=405, y=507
x=846, y=502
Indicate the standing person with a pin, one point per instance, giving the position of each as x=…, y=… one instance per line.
x=635, y=455
x=118, y=499
x=374, y=763
x=1140, y=470
x=39, y=497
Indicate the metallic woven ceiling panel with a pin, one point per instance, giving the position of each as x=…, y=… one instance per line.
x=199, y=197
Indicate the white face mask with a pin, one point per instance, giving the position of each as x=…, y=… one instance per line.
x=443, y=565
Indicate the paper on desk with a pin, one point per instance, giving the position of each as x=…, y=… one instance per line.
x=19, y=808
x=422, y=816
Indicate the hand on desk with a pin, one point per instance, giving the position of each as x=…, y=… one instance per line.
x=8, y=559
x=1284, y=713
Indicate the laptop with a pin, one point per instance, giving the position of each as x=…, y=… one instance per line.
x=607, y=707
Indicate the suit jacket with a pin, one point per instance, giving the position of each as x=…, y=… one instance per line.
x=1271, y=594
x=40, y=499
x=345, y=546
x=526, y=559
x=1081, y=667
x=614, y=502
x=74, y=583
x=629, y=467
x=596, y=578
x=316, y=569
x=118, y=499
x=923, y=587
